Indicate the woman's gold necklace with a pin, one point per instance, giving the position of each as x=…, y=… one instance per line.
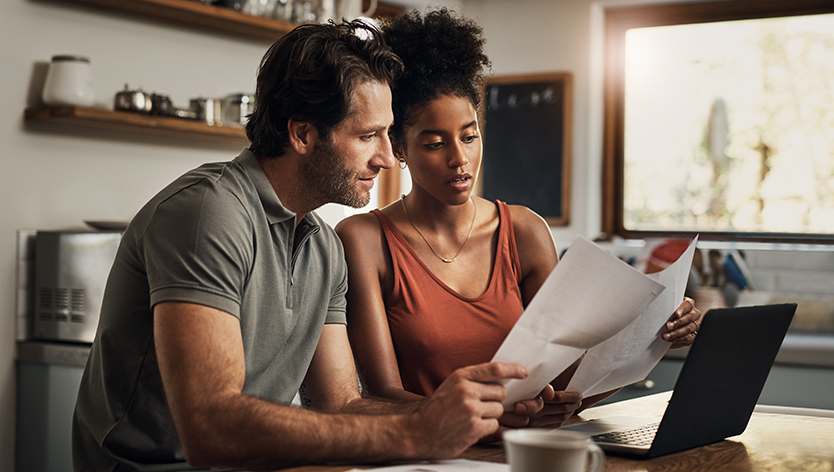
x=471, y=226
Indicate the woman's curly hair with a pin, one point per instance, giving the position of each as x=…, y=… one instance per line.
x=442, y=54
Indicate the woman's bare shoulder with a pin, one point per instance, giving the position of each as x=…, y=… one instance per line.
x=527, y=222
x=358, y=225
x=361, y=233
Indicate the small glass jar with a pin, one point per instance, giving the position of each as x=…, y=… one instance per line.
x=69, y=82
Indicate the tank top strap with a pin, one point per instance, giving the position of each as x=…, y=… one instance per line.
x=507, y=233
x=398, y=247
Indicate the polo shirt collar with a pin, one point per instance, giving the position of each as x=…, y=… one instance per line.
x=275, y=211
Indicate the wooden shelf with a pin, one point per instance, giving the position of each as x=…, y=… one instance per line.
x=195, y=14
x=104, y=119
x=184, y=12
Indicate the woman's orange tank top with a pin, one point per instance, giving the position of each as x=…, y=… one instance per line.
x=436, y=330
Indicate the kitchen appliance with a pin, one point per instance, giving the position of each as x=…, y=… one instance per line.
x=133, y=100
x=161, y=105
x=71, y=269
x=207, y=109
x=68, y=82
x=237, y=107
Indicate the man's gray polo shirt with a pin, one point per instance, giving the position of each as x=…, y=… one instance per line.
x=218, y=236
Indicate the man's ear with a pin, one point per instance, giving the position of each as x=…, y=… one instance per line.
x=302, y=136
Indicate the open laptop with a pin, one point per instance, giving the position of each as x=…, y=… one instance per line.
x=717, y=388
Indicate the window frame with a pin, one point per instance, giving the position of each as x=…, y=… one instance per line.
x=618, y=20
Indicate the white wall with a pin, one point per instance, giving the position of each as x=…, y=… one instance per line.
x=533, y=36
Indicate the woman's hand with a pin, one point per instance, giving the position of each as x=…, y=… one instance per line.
x=683, y=327
x=548, y=410
x=559, y=405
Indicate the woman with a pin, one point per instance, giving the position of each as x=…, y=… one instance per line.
x=438, y=278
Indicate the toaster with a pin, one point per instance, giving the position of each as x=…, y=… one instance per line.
x=71, y=269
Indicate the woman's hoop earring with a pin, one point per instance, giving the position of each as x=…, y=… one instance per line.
x=402, y=163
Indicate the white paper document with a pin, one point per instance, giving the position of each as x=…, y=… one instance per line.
x=632, y=353
x=456, y=465
x=590, y=296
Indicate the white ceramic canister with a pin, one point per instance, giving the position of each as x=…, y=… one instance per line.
x=69, y=82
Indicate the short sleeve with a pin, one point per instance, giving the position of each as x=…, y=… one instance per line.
x=337, y=308
x=198, y=248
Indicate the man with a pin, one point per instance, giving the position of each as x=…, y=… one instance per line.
x=227, y=295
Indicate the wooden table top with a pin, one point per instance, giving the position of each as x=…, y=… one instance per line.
x=771, y=442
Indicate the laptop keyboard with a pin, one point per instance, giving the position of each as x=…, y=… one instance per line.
x=642, y=436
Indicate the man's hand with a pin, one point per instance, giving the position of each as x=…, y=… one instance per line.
x=465, y=408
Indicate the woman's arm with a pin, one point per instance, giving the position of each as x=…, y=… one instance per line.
x=538, y=257
x=370, y=277
x=536, y=250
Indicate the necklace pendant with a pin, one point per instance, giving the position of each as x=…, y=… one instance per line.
x=471, y=226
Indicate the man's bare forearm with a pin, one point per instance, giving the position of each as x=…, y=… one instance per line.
x=368, y=404
x=248, y=433
x=382, y=406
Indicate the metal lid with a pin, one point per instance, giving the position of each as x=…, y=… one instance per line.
x=240, y=98
x=69, y=58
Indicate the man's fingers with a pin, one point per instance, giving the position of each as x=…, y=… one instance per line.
x=488, y=427
x=492, y=409
x=486, y=392
x=493, y=372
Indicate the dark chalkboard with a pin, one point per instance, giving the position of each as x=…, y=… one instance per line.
x=527, y=143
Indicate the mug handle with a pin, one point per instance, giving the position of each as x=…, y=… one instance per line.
x=597, y=458
x=371, y=9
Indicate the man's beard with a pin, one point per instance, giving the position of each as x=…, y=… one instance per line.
x=329, y=179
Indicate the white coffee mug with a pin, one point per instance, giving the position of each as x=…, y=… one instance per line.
x=542, y=450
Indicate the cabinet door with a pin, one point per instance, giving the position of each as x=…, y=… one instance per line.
x=799, y=386
x=45, y=403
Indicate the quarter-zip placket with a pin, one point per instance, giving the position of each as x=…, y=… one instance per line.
x=308, y=231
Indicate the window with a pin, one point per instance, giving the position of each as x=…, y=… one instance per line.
x=719, y=120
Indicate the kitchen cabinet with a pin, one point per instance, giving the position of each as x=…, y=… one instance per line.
x=48, y=377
